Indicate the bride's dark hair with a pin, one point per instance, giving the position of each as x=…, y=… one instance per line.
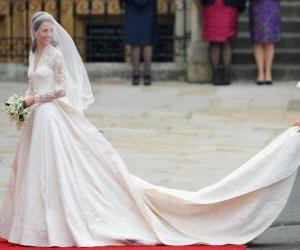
x=36, y=22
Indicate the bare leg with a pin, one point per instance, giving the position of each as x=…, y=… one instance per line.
x=269, y=56
x=227, y=56
x=215, y=54
x=260, y=61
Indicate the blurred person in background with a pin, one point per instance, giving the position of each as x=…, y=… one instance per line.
x=219, y=28
x=140, y=33
x=265, y=22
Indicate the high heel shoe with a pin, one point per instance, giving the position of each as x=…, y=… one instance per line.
x=269, y=82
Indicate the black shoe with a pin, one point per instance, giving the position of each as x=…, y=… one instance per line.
x=226, y=77
x=222, y=78
x=260, y=82
x=269, y=82
x=147, y=80
x=136, y=80
x=215, y=77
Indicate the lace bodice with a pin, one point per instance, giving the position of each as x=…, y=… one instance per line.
x=47, y=77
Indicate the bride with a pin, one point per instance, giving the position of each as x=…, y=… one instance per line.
x=69, y=186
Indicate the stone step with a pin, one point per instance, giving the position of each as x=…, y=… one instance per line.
x=288, y=24
x=281, y=72
x=282, y=56
x=289, y=40
x=161, y=72
x=100, y=71
x=288, y=8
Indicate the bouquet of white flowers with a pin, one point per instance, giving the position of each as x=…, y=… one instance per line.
x=16, y=110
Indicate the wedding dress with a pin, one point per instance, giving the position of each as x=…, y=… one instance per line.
x=69, y=186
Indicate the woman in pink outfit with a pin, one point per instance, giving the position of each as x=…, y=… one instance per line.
x=219, y=28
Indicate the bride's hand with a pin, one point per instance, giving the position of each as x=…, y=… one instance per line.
x=29, y=100
x=297, y=123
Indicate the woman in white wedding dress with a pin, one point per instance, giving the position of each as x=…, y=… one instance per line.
x=69, y=186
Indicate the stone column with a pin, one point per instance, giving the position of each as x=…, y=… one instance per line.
x=179, y=31
x=198, y=66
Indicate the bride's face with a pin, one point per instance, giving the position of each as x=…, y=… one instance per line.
x=44, y=34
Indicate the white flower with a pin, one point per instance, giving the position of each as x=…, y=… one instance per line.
x=15, y=110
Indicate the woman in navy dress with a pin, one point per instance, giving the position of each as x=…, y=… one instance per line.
x=140, y=33
x=265, y=32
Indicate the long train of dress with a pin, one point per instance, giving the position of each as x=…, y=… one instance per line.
x=75, y=190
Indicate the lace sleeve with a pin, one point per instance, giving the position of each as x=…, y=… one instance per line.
x=59, y=81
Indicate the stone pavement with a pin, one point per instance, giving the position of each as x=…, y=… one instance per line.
x=186, y=135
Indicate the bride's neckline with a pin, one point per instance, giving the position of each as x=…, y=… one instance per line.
x=37, y=63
